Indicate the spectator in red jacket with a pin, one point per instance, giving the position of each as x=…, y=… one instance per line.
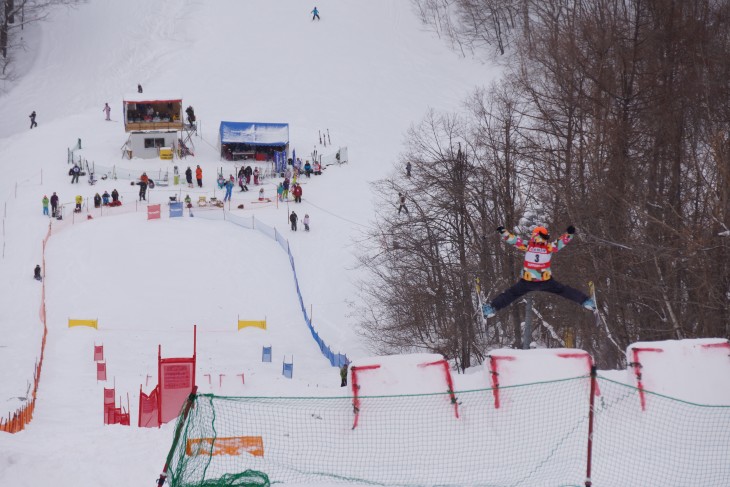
x=297, y=192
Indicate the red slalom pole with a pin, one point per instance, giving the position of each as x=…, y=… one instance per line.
x=589, y=456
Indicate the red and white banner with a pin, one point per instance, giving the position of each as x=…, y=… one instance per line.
x=148, y=409
x=109, y=406
x=113, y=414
x=153, y=212
x=177, y=378
x=98, y=353
x=175, y=383
x=101, y=371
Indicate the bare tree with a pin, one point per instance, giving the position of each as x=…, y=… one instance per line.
x=422, y=294
x=476, y=25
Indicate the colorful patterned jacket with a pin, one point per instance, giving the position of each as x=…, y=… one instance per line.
x=538, y=254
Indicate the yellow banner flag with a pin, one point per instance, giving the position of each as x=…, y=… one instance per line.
x=90, y=323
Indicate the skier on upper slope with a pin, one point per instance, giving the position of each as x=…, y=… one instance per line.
x=536, y=273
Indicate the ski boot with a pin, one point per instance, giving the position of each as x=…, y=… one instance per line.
x=488, y=311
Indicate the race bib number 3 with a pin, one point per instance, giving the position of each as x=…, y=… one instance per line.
x=537, y=259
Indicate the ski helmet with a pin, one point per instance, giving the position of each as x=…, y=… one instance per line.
x=540, y=231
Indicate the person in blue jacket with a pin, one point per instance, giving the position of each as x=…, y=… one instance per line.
x=229, y=190
x=315, y=14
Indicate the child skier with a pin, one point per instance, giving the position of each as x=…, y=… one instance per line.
x=536, y=273
x=107, y=110
x=306, y=222
x=45, y=205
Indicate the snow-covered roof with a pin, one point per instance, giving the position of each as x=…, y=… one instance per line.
x=254, y=133
x=150, y=97
x=153, y=131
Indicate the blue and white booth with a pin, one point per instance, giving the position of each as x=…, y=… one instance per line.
x=253, y=140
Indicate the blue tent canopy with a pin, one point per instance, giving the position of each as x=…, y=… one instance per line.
x=254, y=134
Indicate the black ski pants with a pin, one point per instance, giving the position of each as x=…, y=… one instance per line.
x=523, y=287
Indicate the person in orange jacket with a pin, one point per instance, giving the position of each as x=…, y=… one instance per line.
x=144, y=181
x=199, y=176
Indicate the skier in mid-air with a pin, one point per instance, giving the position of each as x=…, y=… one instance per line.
x=536, y=273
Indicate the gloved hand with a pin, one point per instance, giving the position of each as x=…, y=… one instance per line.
x=500, y=229
x=571, y=230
